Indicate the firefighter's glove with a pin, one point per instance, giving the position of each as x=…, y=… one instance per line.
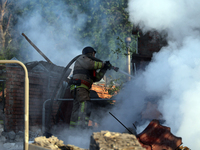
x=108, y=65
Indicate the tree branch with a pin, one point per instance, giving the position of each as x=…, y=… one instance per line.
x=4, y=4
x=6, y=30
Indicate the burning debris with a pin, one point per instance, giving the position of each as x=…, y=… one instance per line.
x=52, y=143
x=103, y=140
x=154, y=137
x=112, y=140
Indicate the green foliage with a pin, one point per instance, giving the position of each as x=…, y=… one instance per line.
x=122, y=46
x=106, y=20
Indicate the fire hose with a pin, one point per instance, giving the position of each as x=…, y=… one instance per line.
x=47, y=130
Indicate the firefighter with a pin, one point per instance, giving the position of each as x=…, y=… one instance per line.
x=84, y=74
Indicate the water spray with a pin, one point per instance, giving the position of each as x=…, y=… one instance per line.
x=119, y=70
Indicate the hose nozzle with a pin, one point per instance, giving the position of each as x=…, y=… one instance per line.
x=115, y=68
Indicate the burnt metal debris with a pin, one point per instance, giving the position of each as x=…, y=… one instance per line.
x=123, y=124
x=158, y=137
x=155, y=136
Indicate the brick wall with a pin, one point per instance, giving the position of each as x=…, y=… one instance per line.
x=41, y=86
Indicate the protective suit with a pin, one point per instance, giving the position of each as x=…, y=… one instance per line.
x=84, y=74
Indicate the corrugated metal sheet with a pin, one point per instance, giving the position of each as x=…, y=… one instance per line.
x=158, y=137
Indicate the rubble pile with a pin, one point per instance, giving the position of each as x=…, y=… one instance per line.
x=52, y=143
x=105, y=140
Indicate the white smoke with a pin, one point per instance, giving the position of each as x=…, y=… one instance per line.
x=61, y=33
x=173, y=73
x=179, y=18
x=52, y=38
x=76, y=137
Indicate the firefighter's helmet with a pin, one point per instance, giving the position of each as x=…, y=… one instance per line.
x=87, y=50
